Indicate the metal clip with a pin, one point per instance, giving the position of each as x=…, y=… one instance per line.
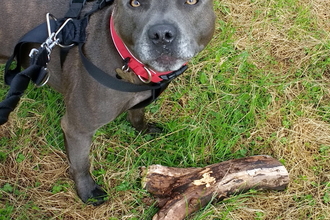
x=50, y=42
x=33, y=52
x=48, y=16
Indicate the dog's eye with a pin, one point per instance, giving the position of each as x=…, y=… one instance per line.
x=135, y=3
x=191, y=2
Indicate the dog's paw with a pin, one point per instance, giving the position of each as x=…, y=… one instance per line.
x=153, y=129
x=98, y=197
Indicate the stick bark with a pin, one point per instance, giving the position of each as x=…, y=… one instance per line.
x=181, y=191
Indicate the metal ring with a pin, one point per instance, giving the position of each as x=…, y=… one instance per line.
x=59, y=31
x=53, y=35
x=45, y=80
x=125, y=68
x=149, y=76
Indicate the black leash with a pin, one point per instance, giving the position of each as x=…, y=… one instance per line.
x=70, y=31
x=35, y=72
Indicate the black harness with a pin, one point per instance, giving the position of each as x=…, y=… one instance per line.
x=69, y=32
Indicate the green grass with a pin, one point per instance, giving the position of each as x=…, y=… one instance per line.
x=260, y=87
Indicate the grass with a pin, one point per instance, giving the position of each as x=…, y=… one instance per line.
x=262, y=86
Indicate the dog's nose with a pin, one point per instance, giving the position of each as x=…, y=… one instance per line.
x=162, y=34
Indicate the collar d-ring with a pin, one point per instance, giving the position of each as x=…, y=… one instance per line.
x=149, y=76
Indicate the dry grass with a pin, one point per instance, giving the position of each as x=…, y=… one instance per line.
x=299, y=144
x=279, y=44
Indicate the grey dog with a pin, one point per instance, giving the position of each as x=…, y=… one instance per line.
x=162, y=35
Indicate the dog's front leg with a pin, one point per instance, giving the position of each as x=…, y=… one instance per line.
x=137, y=119
x=78, y=145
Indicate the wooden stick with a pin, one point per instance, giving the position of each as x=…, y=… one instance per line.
x=181, y=191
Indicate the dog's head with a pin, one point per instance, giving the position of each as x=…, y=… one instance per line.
x=164, y=34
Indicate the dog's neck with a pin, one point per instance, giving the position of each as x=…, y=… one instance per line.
x=132, y=63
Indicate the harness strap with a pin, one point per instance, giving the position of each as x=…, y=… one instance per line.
x=75, y=8
x=115, y=83
x=120, y=85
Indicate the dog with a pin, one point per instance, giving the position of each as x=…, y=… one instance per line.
x=162, y=35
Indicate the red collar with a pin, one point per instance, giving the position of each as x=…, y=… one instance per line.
x=145, y=74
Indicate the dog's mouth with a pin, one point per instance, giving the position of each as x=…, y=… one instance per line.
x=166, y=63
x=166, y=58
